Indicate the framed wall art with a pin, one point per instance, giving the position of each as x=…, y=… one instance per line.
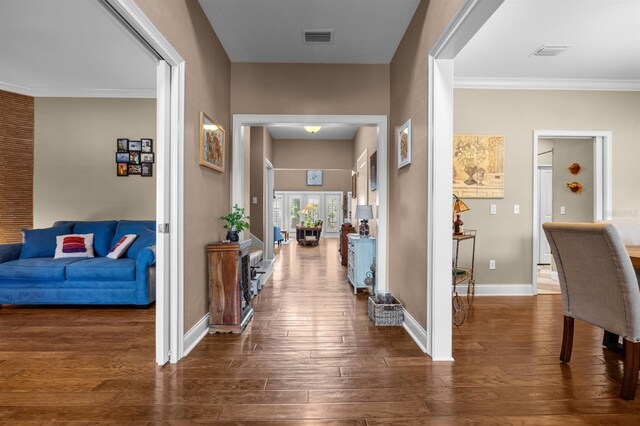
x=123, y=145
x=354, y=185
x=211, y=144
x=478, y=166
x=135, y=146
x=147, y=145
x=122, y=169
x=373, y=171
x=404, y=144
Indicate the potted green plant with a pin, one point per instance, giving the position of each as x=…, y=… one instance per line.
x=236, y=222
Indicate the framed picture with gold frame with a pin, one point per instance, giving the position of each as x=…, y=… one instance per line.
x=211, y=144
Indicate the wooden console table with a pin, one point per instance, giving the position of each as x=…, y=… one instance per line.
x=229, y=286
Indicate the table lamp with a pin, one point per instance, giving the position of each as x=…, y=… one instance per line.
x=364, y=213
x=458, y=207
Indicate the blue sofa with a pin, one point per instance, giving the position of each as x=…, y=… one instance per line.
x=29, y=275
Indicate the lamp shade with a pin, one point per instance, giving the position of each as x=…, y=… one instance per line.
x=459, y=205
x=364, y=212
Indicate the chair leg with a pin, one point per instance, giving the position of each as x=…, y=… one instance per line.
x=567, y=340
x=631, y=366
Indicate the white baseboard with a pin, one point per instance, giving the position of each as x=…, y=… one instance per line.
x=197, y=333
x=498, y=289
x=417, y=333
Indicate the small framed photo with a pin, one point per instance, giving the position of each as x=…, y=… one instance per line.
x=122, y=157
x=147, y=145
x=123, y=145
x=373, y=171
x=354, y=185
x=404, y=144
x=135, y=169
x=147, y=170
x=122, y=169
x=146, y=157
x=135, y=146
x=134, y=157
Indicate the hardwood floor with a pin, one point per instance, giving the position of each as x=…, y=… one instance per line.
x=310, y=356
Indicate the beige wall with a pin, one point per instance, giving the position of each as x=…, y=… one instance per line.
x=506, y=237
x=258, y=88
x=296, y=180
x=408, y=186
x=75, y=166
x=206, y=192
x=292, y=158
x=312, y=154
x=578, y=206
x=366, y=138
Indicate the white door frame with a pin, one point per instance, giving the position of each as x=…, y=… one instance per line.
x=470, y=17
x=379, y=121
x=169, y=289
x=602, y=180
x=541, y=168
x=268, y=213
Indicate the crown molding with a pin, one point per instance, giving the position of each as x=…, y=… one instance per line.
x=56, y=92
x=546, y=84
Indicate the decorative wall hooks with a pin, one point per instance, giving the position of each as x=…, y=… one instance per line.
x=574, y=169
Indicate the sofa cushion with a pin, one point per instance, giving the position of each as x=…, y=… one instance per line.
x=74, y=245
x=102, y=231
x=39, y=268
x=131, y=227
x=121, y=247
x=102, y=269
x=146, y=238
x=42, y=242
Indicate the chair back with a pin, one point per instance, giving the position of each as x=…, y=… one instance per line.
x=597, y=280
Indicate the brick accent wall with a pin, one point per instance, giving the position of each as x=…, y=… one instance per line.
x=16, y=165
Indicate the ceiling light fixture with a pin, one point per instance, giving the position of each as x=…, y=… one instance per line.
x=312, y=129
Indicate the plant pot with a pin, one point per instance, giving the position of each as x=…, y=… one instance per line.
x=233, y=236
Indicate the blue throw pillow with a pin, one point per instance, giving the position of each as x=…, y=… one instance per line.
x=146, y=238
x=102, y=234
x=42, y=242
x=126, y=227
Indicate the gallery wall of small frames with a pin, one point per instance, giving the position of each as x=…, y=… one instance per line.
x=134, y=157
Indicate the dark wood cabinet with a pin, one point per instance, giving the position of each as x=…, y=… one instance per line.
x=229, y=286
x=343, y=252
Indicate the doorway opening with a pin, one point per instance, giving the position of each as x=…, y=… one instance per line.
x=326, y=205
x=572, y=183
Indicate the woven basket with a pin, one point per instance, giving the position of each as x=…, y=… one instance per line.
x=385, y=311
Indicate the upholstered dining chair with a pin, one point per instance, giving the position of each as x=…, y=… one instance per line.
x=599, y=286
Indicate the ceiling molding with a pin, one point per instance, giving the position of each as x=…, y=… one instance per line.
x=546, y=84
x=78, y=93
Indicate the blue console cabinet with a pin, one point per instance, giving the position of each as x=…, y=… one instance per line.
x=361, y=254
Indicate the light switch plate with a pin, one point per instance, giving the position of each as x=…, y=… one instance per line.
x=563, y=210
x=516, y=209
x=254, y=200
x=492, y=264
x=494, y=209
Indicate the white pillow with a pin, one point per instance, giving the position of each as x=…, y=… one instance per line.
x=120, y=248
x=74, y=245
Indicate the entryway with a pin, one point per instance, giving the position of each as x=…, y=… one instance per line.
x=572, y=183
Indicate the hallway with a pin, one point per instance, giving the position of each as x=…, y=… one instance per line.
x=310, y=356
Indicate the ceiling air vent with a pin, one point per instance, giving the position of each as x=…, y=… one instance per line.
x=317, y=36
x=550, y=50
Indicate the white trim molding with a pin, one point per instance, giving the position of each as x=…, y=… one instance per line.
x=196, y=334
x=415, y=330
x=497, y=290
x=471, y=16
x=545, y=84
x=61, y=92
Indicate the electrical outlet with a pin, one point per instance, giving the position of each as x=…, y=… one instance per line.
x=563, y=210
x=494, y=209
x=516, y=209
x=492, y=264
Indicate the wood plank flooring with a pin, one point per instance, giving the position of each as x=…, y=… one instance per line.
x=310, y=356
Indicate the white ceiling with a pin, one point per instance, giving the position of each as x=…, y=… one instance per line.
x=365, y=31
x=604, y=36
x=328, y=131
x=70, y=48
